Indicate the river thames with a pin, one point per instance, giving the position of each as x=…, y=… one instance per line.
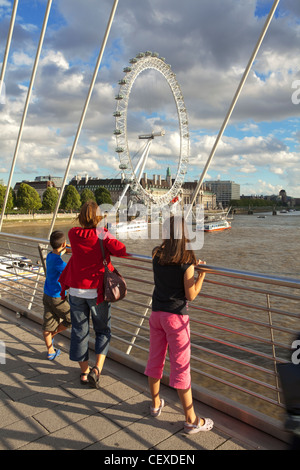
x=269, y=245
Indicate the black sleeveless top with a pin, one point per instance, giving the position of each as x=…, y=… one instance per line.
x=169, y=294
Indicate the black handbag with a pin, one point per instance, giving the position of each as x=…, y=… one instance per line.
x=114, y=285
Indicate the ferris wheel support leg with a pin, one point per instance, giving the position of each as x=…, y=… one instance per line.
x=144, y=158
x=142, y=161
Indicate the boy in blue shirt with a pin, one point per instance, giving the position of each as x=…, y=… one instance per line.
x=56, y=311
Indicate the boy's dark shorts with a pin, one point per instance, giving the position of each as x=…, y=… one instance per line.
x=56, y=311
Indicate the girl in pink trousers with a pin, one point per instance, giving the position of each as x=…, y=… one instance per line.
x=173, y=267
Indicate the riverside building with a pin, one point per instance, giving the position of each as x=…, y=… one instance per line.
x=225, y=191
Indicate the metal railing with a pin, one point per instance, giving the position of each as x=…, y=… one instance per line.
x=242, y=326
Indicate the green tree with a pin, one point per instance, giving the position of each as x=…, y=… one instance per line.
x=28, y=198
x=10, y=199
x=87, y=195
x=103, y=196
x=50, y=197
x=71, y=199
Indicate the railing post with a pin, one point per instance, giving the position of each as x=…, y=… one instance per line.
x=273, y=346
x=139, y=327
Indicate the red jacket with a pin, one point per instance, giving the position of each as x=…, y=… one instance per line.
x=85, y=268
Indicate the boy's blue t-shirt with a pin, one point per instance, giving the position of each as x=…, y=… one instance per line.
x=55, y=266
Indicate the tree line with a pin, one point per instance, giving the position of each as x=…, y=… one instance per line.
x=27, y=199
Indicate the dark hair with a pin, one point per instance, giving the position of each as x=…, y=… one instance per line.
x=57, y=238
x=173, y=248
x=88, y=217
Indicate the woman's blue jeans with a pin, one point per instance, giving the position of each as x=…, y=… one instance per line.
x=81, y=311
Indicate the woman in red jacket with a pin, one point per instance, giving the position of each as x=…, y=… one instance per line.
x=83, y=276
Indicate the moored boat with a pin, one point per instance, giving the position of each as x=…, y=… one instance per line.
x=128, y=227
x=14, y=265
x=214, y=226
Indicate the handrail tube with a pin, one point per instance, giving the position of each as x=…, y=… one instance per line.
x=234, y=332
x=145, y=281
x=236, y=346
x=123, y=340
x=242, y=319
x=234, y=359
x=253, y=289
x=135, y=314
x=127, y=322
x=241, y=389
x=235, y=373
x=245, y=304
x=139, y=292
x=255, y=277
x=13, y=287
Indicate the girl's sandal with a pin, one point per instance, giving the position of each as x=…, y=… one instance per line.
x=193, y=428
x=155, y=412
x=54, y=355
x=84, y=378
x=94, y=377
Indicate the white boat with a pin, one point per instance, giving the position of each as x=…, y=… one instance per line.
x=13, y=266
x=214, y=226
x=215, y=222
x=128, y=227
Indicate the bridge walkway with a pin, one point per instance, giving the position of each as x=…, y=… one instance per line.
x=43, y=406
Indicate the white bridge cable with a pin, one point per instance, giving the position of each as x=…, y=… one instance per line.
x=108, y=28
x=8, y=42
x=234, y=101
x=37, y=57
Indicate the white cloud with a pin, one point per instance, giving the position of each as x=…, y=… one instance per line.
x=208, y=49
x=20, y=59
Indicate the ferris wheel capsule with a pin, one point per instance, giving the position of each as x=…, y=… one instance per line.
x=123, y=166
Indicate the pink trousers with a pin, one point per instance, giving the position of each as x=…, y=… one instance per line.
x=170, y=329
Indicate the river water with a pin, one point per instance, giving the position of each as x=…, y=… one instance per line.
x=269, y=245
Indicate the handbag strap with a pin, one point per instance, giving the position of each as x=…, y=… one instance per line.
x=103, y=252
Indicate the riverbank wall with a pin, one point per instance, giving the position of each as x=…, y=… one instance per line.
x=42, y=218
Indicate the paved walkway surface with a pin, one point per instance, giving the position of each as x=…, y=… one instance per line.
x=43, y=406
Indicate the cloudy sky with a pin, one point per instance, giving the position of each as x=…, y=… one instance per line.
x=207, y=43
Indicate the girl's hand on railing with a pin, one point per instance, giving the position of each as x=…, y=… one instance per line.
x=200, y=272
